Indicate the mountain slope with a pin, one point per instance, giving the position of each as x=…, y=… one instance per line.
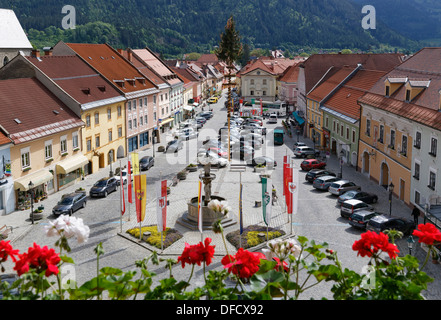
x=178, y=26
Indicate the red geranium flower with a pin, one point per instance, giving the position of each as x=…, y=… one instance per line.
x=371, y=243
x=428, y=234
x=6, y=251
x=40, y=259
x=196, y=254
x=278, y=265
x=244, y=263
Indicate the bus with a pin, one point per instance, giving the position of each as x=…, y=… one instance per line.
x=248, y=109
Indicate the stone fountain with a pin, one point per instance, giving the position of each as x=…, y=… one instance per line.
x=190, y=218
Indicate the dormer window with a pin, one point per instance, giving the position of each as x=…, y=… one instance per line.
x=407, y=95
x=102, y=88
x=387, y=91
x=120, y=83
x=86, y=90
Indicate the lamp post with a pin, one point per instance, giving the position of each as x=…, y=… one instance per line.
x=410, y=242
x=31, y=186
x=391, y=191
x=341, y=163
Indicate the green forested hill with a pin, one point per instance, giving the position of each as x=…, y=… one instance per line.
x=177, y=26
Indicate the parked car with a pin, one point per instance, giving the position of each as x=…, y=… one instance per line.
x=174, y=146
x=272, y=118
x=205, y=114
x=146, y=163
x=213, y=158
x=304, y=151
x=70, y=203
x=251, y=141
x=341, y=186
x=315, y=173
x=103, y=187
x=187, y=134
x=266, y=161
x=243, y=152
x=360, y=218
x=213, y=100
x=385, y=222
x=323, y=182
x=219, y=151
x=299, y=144
x=123, y=176
x=312, y=164
x=358, y=195
x=201, y=119
x=350, y=206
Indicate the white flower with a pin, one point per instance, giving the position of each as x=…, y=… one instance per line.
x=283, y=248
x=69, y=227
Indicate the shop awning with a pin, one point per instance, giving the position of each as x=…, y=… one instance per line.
x=299, y=119
x=71, y=164
x=37, y=179
x=167, y=121
x=188, y=108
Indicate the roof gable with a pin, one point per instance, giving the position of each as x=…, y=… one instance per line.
x=12, y=35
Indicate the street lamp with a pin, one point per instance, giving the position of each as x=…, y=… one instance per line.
x=410, y=242
x=391, y=190
x=31, y=186
x=341, y=163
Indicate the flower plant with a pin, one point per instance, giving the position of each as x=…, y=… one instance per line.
x=285, y=269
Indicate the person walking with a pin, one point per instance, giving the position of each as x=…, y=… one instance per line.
x=415, y=214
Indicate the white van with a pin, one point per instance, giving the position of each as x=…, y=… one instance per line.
x=272, y=118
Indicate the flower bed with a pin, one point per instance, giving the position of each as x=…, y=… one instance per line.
x=251, y=238
x=169, y=236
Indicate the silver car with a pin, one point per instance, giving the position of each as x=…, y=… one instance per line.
x=339, y=187
x=323, y=183
x=348, y=207
x=304, y=151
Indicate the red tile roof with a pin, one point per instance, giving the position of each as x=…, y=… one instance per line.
x=326, y=87
x=76, y=77
x=345, y=99
x=318, y=64
x=4, y=139
x=112, y=65
x=291, y=74
x=38, y=111
x=142, y=67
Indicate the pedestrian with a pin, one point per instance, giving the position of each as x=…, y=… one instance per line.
x=415, y=214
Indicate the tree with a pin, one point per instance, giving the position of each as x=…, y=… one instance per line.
x=229, y=51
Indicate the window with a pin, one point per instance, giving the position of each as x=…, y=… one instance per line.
x=140, y=102
x=97, y=118
x=417, y=140
x=347, y=133
x=327, y=122
x=433, y=146
x=145, y=101
x=48, y=150
x=140, y=120
x=251, y=93
x=134, y=123
x=119, y=111
x=130, y=124
x=252, y=81
x=392, y=139
x=416, y=173
x=89, y=144
x=342, y=131
x=110, y=135
x=264, y=93
x=387, y=91
x=97, y=141
x=417, y=197
x=381, y=138
x=353, y=135
x=75, y=144
x=432, y=180
x=154, y=116
x=404, y=146
x=134, y=105
x=264, y=81
x=129, y=105
x=368, y=127
x=154, y=99
x=88, y=121
x=25, y=158
x=407, y=95
x=119, y=132
x=63, y=144
x=109, y=114
x=5, y=61
x=145, y=119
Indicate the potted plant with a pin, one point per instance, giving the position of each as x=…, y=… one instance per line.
x=161, y=149
x=182, y=175
x=259, y=168
x=192, y=167
x=38, y=214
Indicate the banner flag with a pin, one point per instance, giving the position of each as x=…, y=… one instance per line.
x=289, y=185
x=161, y=208
x=285, y=161
x=240, y=209
x=129, y=183
x=135, y=163
x=141, y=195
x=123, y=202
x=200, y=207
x=266, y=198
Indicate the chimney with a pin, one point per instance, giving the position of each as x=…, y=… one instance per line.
x=47, y=51
x=35, y=53
x=129, y=55
x=120, y=51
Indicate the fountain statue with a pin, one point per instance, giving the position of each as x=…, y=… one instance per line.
x=209, y=216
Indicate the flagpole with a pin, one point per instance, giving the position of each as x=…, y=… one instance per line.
x=162, y=228
x=292, y=193
x=120, y=195
x=240, y=210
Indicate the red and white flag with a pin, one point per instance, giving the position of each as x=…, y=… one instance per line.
x=200, y=207
x=123, y=202
x=129, y=183
x=161, y=208
x=288, y=186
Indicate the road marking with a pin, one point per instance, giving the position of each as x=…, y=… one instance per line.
x=321, y=224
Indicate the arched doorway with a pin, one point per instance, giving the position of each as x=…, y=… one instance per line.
x=111, y=157
x=384, y=178
x=120, y=152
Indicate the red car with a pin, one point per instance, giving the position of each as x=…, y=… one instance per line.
x=220, y=152
x=312, y=164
